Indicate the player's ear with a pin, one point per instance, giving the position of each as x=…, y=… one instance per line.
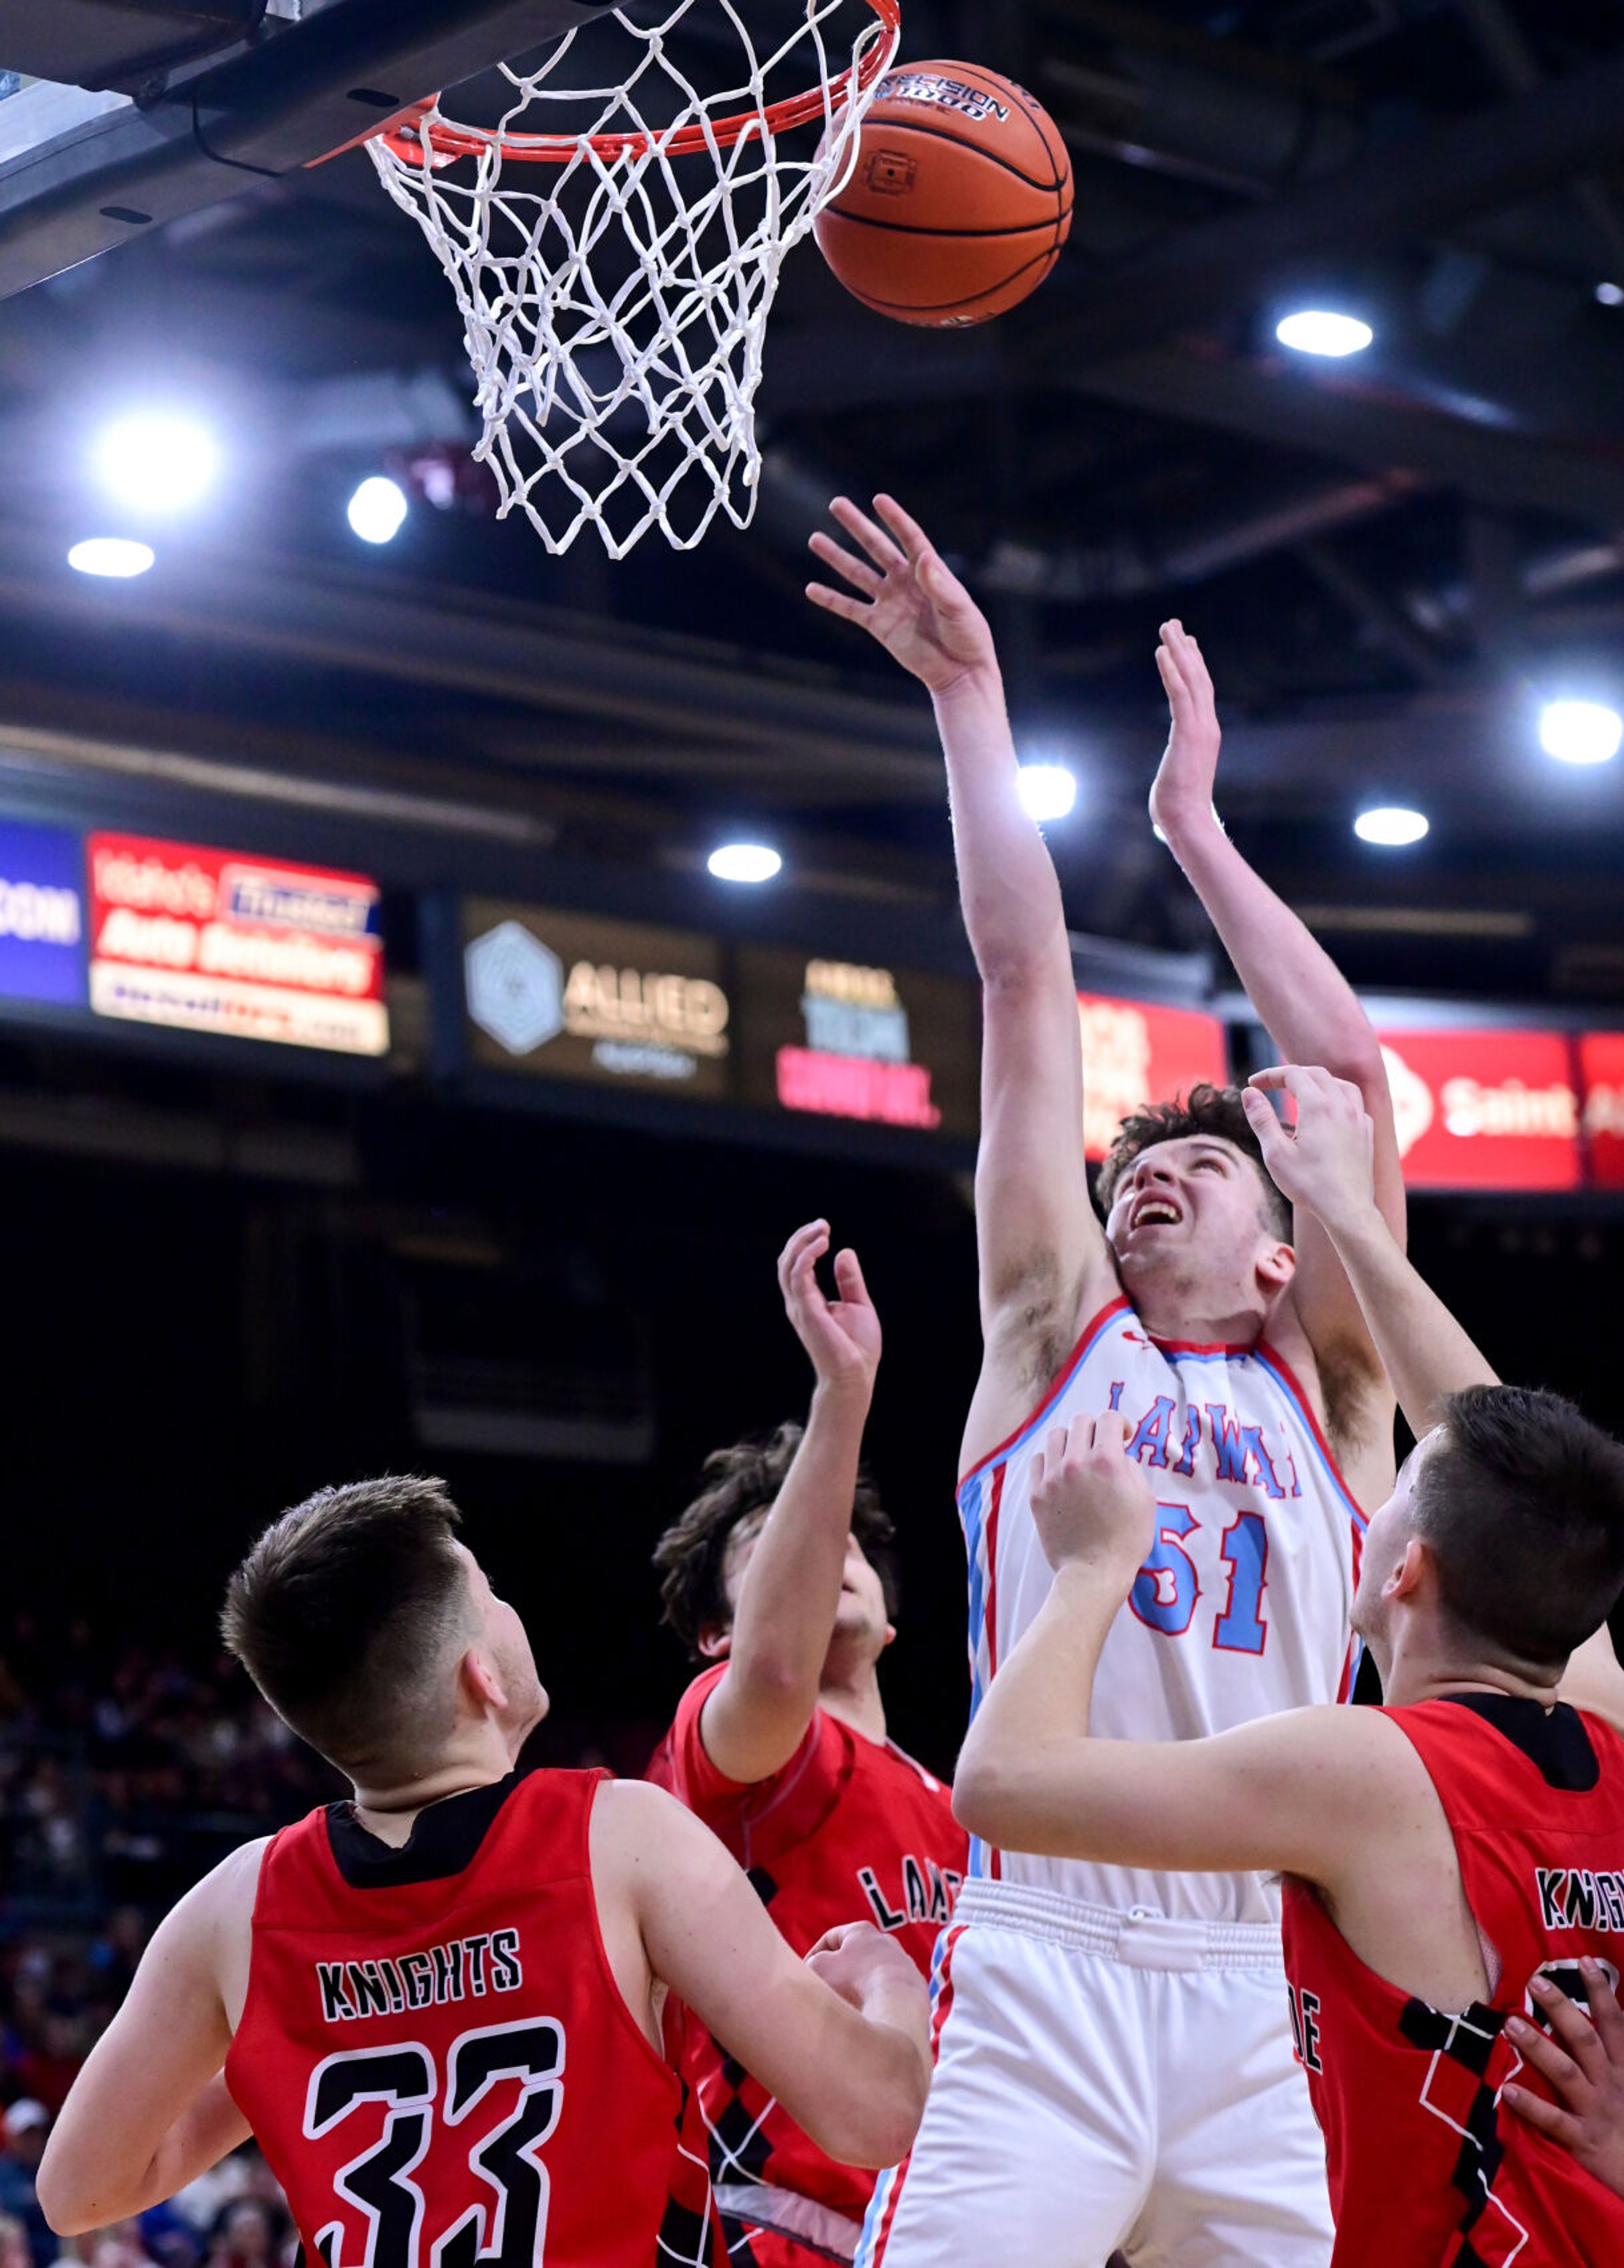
x=715, y=1644
x=481, y=1681
x=1413, y=1574
x=1277, y=1264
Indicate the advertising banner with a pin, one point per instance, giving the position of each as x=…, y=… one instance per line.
x=581, y=997
x=1484, y=1109
x=223, y=941
x=1134, y=1052
x=846, y=1040
x=42, y=915
x=1601, y=1068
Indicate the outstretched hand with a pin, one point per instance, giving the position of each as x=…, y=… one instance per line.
x=1324, y=1163
x=841, y=1335
x=1182, y=791
x=906, y=595
x=1583, y=2061
x=1093, y=1504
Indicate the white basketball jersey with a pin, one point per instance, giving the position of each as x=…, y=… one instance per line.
x=1242, y=1607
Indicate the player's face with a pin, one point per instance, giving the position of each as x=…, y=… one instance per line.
x=1382, y=1556
x=1193, y=1209
x=507, y=1642
x=861, y=1617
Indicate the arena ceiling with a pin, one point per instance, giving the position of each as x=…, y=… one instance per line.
x=1390, y=563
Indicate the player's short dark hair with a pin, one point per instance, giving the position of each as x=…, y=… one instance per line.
x=342, y=1611
x=1206, y=1109
x=1521, y=1502
x=738, y=1484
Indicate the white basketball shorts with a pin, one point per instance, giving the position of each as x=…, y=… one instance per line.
x=1106, y=2082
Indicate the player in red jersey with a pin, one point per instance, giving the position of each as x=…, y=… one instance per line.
x=781, y=1745
x=437, y=2007
x=1441, y=1854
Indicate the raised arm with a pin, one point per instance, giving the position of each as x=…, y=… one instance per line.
x=1325, y=1168
x=842, y=2038
x=1276, y=1795
x=1039, y=1238
x=148, y=2111
x=757, y=1715
x=1307, y=1004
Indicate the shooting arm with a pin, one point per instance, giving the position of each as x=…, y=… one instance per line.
x=1306, y=1003
x=148, y=2111
x=756, y=1716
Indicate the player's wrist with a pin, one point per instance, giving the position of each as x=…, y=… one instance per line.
x=976, y=684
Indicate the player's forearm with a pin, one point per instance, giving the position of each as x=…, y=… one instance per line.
x=87, y=2181
x=1007, y=886
x=1309, y=1008
x=792, y=1592
x=869, y=2109
x=1424, y=1351
x=1018, y=1771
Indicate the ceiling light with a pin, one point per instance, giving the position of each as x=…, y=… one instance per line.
x=158, y=464
x=378, y=510
x=1318, y=331
x=744, y=862
x=1611, y=295
x=1047, y=790
x=1391, y=826
x=1580, y=732
x=110, y=554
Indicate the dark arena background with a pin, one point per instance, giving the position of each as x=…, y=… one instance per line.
x=506, y=1207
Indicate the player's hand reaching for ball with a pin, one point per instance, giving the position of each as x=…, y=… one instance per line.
x=903, y=595
x=841, y=1335
x=1324, y=1162
x=1582, y=2060
x=1181, y=795
x=1093, y=1504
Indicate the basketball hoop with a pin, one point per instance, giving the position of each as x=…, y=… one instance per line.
x=615, y=317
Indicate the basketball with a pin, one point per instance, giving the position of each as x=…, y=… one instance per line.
x=959, y=202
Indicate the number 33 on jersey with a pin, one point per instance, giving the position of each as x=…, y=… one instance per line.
x=1241, y=1607
x=433, y=2055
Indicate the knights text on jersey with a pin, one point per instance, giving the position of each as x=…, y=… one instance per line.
x=1427, y=2169
x=849, y=1831
x=434, y=2053
x=1242, y=1607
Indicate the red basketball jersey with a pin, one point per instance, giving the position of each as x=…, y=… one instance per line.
x=849, y=1831
x=433, y=2054
x=1427, y=2170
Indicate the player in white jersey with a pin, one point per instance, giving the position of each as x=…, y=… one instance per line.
x=1114, y=2063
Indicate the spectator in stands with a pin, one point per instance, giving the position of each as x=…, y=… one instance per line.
x=27, y=2125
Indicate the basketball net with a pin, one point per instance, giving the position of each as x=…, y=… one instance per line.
x=614, y=314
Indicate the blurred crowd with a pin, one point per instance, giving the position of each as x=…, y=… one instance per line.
x=125, y=1774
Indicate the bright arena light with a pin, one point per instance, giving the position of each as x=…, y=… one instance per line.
x=1391, y=826
x=744, y=862
x=1580, y=732
x=378, y=510
x=1318, y=331
x=158, y=464
x=111, y=555
x=1047, y=790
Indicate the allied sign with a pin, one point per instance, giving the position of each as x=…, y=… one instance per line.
x=42, y=915
x=1481, y=1107
x=1134, y=1053
x=577, y=995
x=222, y=941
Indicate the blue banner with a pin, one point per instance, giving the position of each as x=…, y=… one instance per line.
x=42, y=915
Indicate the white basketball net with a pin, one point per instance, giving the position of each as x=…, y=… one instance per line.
x=614, y=302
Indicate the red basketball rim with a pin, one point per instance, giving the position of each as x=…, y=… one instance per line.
x=411, y=132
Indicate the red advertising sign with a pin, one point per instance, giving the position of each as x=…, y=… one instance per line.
x=1479, y=1108
x=1134, y=1053
x=219, y=941
x=1601, y=1064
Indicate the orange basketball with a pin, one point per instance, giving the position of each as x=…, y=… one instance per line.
x=960, y=200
